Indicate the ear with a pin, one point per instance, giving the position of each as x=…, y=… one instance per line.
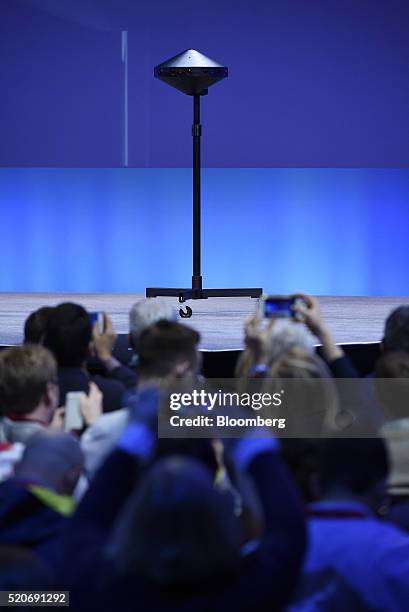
x=181, y=369
x=52, y=395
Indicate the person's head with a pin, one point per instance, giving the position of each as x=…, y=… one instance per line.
x=394, y=364
x=168, y=350
x=52, y=459
x=302, y=458
x=311, y=399
x=68, y=334
x=298, y=362
x=146, y=312
x=286, y=334
x=28, y=381
x=34, y=327
x=355, y=469
x=177, y=528
x=202, y=449
x=283, y=335
x=396, y=333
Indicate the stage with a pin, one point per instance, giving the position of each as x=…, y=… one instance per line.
x=353, y=320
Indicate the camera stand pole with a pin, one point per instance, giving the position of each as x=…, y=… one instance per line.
x=196, y=292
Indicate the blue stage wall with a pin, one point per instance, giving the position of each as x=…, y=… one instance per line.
x=326, y=231
x=311, y=83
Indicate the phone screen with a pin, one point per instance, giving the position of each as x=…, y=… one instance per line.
x=73, y=419
x=278, y=307
x=98, y=318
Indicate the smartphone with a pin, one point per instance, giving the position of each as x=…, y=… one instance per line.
x=98, y=318
x=278, y=306
x=73, y=418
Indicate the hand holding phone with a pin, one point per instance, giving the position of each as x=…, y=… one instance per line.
x=104, y=340
x=91, y=404
x=257, y=337
x=279, y=306
x=73, y=419
x=97, y=321
x=308, y=311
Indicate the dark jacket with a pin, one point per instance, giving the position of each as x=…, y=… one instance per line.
x=398, y=513
x=264, y=582
x=26, y=521
x=343, y=368
x=77, y=379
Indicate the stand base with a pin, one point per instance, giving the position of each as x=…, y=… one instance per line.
x=184, y=294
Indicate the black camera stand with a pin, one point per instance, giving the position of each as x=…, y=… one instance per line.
x=194, y=81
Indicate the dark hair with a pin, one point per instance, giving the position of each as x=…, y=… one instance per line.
x=394, y=364
x=68, y=334
x=396, y=334
x=177, y=528
x=24, y=374
x=355, y=464
x=34, y=327
x=163, y=345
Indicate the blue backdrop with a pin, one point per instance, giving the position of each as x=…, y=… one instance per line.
x=311, y=83
x=327, y=231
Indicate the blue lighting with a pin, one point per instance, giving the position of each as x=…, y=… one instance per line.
x=325, y=231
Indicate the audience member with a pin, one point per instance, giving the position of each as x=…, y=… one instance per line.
x=392, y=392
x=102, y=346
x=145, y=313
x=35, y=502
x=34, y=327
x=266, y=341
x=396, y=332
x=29, y=395
x=163, y=521
x=370, y=555
x=311, y=399
x=200, y=524
x=71, y=337
x=167, y=351
x=311, y=408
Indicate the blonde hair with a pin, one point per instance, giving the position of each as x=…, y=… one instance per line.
x=285, y=334
x=24, y=374
x=296, y=362
x=311, y=406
